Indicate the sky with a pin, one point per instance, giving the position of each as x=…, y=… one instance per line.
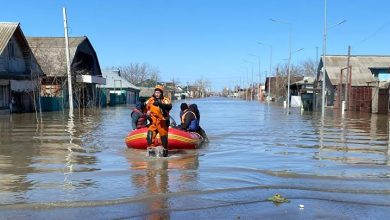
x=214, y=40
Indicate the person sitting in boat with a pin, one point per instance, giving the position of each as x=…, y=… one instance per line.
x=138, y=116
x=183, y=107
x=158, y=108
x=200, y=129
x=189, y=121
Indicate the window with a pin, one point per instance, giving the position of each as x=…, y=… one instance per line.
x=4, y=93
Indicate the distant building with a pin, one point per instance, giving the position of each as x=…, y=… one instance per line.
x=147, y=89
x=276, y=87
x=145, y=93
x=19, y=71
x=303, y=91
x=118, y=89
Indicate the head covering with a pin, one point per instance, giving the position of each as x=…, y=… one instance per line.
x=194, y=108
x=159, y=88
x=183, y=106
x=138, y=105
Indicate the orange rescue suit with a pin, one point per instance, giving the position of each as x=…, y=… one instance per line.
x=159, y=120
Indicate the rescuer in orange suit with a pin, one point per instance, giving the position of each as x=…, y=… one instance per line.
x=158, y=108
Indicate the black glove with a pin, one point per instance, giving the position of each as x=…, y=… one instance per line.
x=167, y=122
x=157, y=102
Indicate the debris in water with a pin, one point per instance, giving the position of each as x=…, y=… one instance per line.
x=277, y=199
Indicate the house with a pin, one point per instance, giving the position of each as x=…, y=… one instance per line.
x=85, y=70
x=169, y=89
x=145, y=93
x=19, y=71
x=181, y=93
x=276, y=86
x=119, y=90
x=356, y=89
x=147, y=89
x=302, y=93
x=270, y=87
x=381, y=89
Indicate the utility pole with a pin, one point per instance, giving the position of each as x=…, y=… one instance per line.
x=246, y=87
x=289, y=73
x=259, y=86
x=270, y=69
x=347, y=77
x=252, y=85
x=70, y=91
x=270, y=66
x=289, y=62
x=324, y=66
x=188, y=92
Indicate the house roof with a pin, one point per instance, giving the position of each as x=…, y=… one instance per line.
x=10, y=29
x=146, y=92
x=361, y=73
x=305, y=80
x=50, y=53
x=115, y=80
x=7, y=29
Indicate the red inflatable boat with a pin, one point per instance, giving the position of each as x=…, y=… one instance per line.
x=177, y=139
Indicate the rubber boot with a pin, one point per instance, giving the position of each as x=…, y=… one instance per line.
x=164, y=142
x=149, y=138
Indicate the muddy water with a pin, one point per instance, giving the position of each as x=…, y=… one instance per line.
x=337, y=167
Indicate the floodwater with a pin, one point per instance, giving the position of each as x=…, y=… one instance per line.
x=338, y=168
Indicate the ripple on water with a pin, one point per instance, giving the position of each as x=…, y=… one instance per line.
x=253, y=147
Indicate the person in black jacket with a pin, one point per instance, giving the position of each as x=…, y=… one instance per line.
x=138, y=116
x=191, y=121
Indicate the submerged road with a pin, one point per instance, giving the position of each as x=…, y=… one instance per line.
x=338, y=168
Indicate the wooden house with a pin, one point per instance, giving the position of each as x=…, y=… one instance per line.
x=19, y=72
x=359, y=89
x=85, y=70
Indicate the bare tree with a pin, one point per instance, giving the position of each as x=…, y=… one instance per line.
x=137, y=73
x=203, y=86
x=36, y=83
x=175, y=82
x=281, y=75
x=154, y=74
x=309, y=67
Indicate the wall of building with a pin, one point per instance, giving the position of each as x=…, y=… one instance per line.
x=360, y=99
x=4, y=94
x=12, y=59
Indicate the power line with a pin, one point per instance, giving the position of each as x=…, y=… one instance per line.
x=374, y=33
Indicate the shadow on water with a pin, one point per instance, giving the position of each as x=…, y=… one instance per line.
x=255, y=150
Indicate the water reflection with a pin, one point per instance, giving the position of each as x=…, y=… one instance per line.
x=84, y=158
x=68, y=169
x=32, y=154
x=358, y=139
x=155, y=176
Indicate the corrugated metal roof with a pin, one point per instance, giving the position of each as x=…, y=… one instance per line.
x=7, y=29
x=361, y=65
x=114, y=80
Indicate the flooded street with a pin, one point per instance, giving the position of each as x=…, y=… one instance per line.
x=337, y=168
